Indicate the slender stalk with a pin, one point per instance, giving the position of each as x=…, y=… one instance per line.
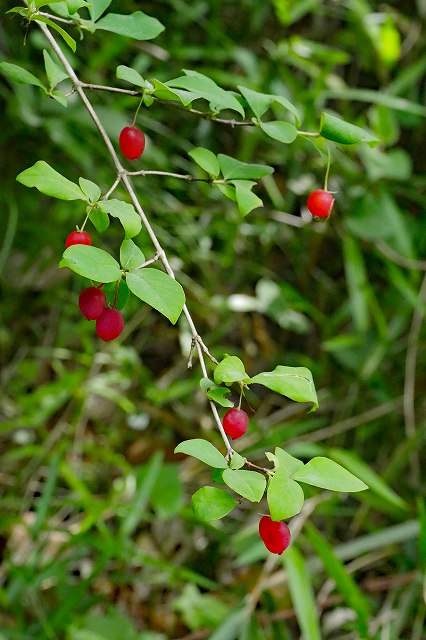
x=125, y=179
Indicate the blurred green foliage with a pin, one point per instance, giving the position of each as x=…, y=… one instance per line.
x=97, y=540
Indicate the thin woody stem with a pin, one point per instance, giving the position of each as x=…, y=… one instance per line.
x=201, y=348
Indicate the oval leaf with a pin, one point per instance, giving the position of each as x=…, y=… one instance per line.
x=203, y=87
x=206, y=159
x=342, y=132
x=215, y=393
x=295, y=383
x=125, y=212
x=280, y=130
x=246, y=200
x=20, y=75
x=44, y=178
x=91, y=262
x=249, y=484
x=130, y=255
x=89, y=188
x=285, y=497
x=204, y=451
x=230, y=370
x=233, y=169
x=327, y=474
x=209, y=503
x=137, y=25
x=287, y=463
x=158, y=290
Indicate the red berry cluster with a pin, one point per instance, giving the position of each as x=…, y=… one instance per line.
x=92, y=300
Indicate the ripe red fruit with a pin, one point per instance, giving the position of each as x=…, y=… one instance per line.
x=92, y=302
x=109, y=325
x=275, y=535
x=132, y=142
x=320, y=203
x=235, y=423
x=78, y=237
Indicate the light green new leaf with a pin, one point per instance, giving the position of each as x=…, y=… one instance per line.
x=246, y=200
x=20, y=75
x=286, y=462
x=230, y=370
x=99, y=219
x=302, y=594
x=91, y=189
x=44, y=178
x=295, y=383
x=207, y=160
x=259, y=103
x=204, y=451
x=344, y=581
x=131, y=256
x=237, y=461
x=132, y=76
x=54, y=72
x=125, y=212
x=233, y=169
x=376, y=484
x=137, y=25
x=249, y=484
x=158, y=290
x=280, y=130
x=91, y=262
x=285, y=497
x=342, y=132
x=203, y=87
x=327, y=474
x=209, y=503
x=60, y=97
x=97, y=8
x=216, y=393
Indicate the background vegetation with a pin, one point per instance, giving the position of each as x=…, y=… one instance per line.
x=96, y=535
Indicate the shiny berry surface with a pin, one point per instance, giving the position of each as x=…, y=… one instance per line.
x=78, y=237
x=109, y=325
x=92, y=302
x=320, y=203
x=235, y=423
x=276, y=536
x=132, y=142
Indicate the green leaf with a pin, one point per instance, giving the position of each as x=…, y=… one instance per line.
x=246, y=200
x=125, y=212
x=327, y=474
x=237, y=461
x=344, y=581
x=249, y=484
x=91, y=262
x=209, y=503
x=204, y=451
x=259, y=103
x=286, y=462
x=280, y=130
x=67, y=38
x=233, y=169
x=376, y=484
x=158, y=290
x=230, y=370
x=207, y=160
x=54, y=72
x=60, y=97
x=342, y=132
x=20, y=75
x=75, y=5
x=118, y=299
x=215, y=393
x=203, y=87
x=285, y=497
x=97, y=8
x=130, y=75
x=163, y=92
x=89, y=188
x=44, y=178
x=302, y=594
x=137, y=25
x=99, y=219
x=130, y=255
x=295, y=383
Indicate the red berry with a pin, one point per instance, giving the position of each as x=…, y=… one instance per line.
x=78, y=237
x=235, y=423
x=109, y=325
x=275, y=535
x=132, y=142
x=320, y=203
x=92, y=302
